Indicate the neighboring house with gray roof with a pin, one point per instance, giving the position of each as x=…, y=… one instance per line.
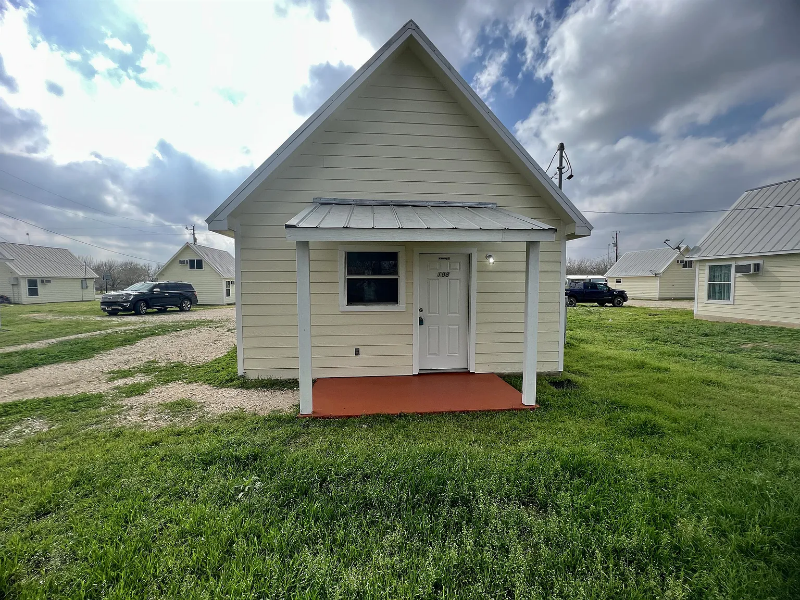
x=748, y=265
x=659, y=274
x=38, y=274
x=209, y=270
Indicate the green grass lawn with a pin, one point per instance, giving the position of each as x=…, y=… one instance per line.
x=665, y=463
x=23, y=324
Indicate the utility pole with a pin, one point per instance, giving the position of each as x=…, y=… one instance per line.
x=194, y=237
x=615, y=243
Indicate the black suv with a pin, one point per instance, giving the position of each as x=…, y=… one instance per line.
x=592, y=291
x=150, y=294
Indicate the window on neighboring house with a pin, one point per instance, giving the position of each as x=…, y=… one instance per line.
x=372, y=280
x=619, y=280
x=228, y=287
x=687, y=264
x=33, y=287
x=720, y=284
x=195, y=264
x=84, y=284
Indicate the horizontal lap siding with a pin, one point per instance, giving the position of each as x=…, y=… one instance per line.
x=772, y=296
x=208, y=284
x=638, y=288
x=403, y=138
x=676, y=282
x=64, y=289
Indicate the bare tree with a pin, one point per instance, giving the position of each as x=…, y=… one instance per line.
x=122, y=273
x=589, y=266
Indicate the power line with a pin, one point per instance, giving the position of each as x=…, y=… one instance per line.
x=77, y=240
x=76, y=202
x=687, y=212
x=72, y=212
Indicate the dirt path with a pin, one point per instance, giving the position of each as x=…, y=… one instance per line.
x=684, y=304
x=129, y=322
x=195, y=346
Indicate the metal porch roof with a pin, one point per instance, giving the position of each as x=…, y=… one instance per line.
x=336, y=219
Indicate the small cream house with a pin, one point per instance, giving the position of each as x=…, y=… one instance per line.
x=748, y=265
x=38, y=274
x=209, y=270
x=402, y=229
x=659, y=274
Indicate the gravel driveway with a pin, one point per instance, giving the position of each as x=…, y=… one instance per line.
x=194, y=346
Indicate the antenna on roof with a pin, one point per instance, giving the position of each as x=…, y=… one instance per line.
x=562, y=154
x=194, y=237
x=676, y=246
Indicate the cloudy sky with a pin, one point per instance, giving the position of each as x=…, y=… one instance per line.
x=123, y=122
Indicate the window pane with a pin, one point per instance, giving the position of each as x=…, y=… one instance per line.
x=33, y=287
x=372, y=291
x=372, y=263
x=719, y=273
x=719, y=291
x=198, y=264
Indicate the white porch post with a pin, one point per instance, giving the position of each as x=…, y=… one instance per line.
x=531, y=323
x=304, y=325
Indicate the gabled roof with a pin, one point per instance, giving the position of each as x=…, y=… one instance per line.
x=219, y=260
x=643, y=263
x=43, y=261
x=765, y=220
x=410, y=33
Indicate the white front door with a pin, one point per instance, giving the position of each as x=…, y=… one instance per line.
x=443, y=311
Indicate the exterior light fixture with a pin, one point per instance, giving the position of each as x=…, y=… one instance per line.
x=490, y=259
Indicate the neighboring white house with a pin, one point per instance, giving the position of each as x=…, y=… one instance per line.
x=402, y=219
x=748, y=265
x=660, y=274
x=39, y=274
x=209, y=270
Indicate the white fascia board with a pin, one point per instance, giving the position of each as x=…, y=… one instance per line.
x=409, y=30
x=511, y=141
x=314, y=234
x=747, y=255
x=310, y=125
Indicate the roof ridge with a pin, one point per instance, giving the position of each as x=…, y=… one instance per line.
x=761, y=187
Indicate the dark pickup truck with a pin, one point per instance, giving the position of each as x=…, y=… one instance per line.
x=159, y=295
x=583, y=292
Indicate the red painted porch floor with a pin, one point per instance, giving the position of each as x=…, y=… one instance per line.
x=427, y=393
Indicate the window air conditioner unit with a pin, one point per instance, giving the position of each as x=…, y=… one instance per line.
x=680, y=261
x=183, y=262
x=748, y=268
x=45, y=281
x=13, y=280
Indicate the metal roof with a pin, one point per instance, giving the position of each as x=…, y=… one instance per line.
x=643, y=263
x=765, y=220
x=414, y=220
x=42, y=261
x=219, y=260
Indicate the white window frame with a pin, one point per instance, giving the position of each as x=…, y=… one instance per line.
x=35, y=286
x=730, y=264
x=687, y=264
x=401, y=279
x=193, y=264
x=228, y=288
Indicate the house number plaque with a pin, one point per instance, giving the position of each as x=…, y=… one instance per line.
x=443, y=274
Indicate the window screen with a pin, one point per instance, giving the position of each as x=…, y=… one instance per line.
x=33, y=287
